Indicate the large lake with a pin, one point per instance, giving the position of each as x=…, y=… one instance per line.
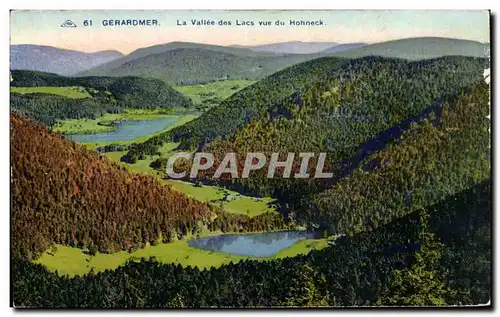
x=252, y=244
x=126, y=131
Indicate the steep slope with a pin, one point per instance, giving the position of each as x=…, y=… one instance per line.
x=242, y=107
x=57, y=60
x=295, y=47
x=420, y=48
x=360, y=108
x=63, y=193
x=429, y=161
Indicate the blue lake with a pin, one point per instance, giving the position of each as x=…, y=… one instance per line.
x=252, y=244
x=126, y=131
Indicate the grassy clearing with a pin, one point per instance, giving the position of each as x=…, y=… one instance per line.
x=104, y=123
x=69, y=92
x=182, y=119
x=72, y=261
x=212, y=93
x=231, y=201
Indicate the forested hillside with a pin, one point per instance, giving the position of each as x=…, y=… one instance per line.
x=48, y=108
x=345, y=108
x=242, y=107
x=399, y=136
x=360, y=108
x=108, y=94
x=63, y=193
x=438, y=256
x=429, y=161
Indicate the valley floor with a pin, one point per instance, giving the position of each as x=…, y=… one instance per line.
x=73, y=261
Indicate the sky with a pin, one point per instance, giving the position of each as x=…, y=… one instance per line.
x=44, y=27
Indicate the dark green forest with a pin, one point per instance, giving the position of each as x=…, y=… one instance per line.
x=435, y=256
x=108, y=95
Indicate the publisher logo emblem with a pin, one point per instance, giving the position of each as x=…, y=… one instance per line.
x=68, y=24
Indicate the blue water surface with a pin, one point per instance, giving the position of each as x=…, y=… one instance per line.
x=253, y=244
x=126, y=131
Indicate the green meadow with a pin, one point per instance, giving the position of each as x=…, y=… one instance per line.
x=212, y=93
x=104, y=123
x=74, y=92
x=230, y=201
x=73, y=261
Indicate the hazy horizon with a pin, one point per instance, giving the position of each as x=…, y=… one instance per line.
x=44, y=28
x=243, y=46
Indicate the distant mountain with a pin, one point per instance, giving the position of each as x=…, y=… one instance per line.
x=420, y=48
x=162, y=48
x=193, y=64
x=57, y=60
x=342, y=47
x=292, y=47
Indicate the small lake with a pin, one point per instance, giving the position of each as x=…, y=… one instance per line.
x=252, y=244
x=126, y=131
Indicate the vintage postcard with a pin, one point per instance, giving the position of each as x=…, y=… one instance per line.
x=250, y=159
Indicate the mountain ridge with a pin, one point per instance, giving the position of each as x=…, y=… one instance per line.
x=57, y=60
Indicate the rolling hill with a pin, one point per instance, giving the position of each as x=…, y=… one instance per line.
x=419, y=48
x=278, y=103
x=56, y=60
x=163, y=48
x=107, y=94
x=64, y=193
x=197, y=64
x=191, y=63
x=360, y=109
